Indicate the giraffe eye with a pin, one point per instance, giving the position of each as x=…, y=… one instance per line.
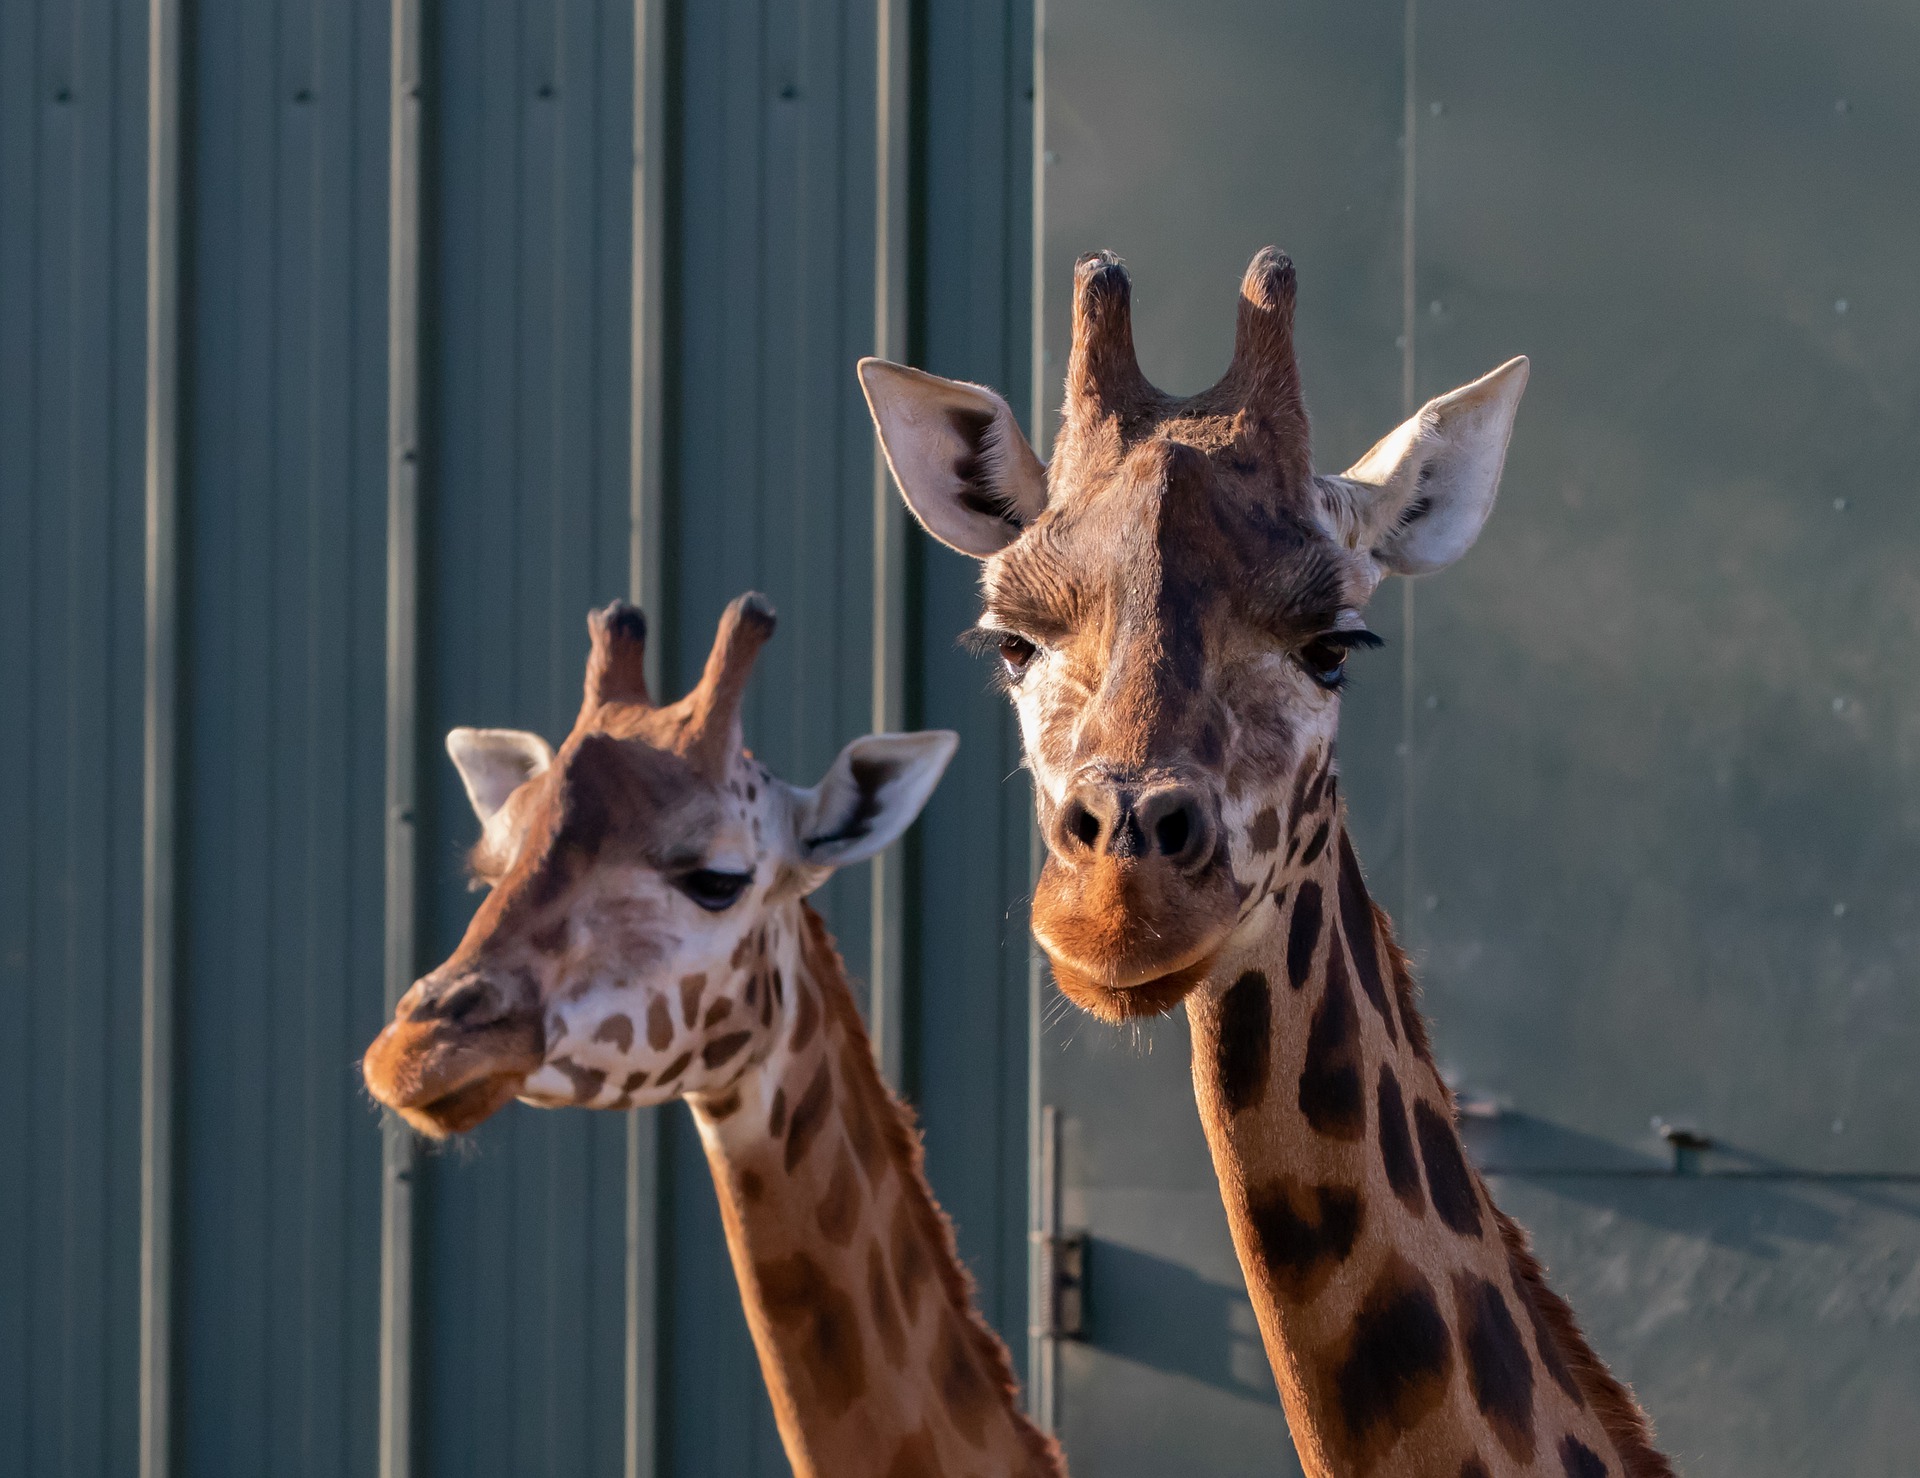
x=713, y=891
x=1016, y=652
x=1325, y=657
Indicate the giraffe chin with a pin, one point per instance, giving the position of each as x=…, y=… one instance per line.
x=464, y=1108
x=1129, y=936
x=443, y=1078
x=1117, y=1003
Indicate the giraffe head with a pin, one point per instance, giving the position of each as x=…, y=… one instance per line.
x=1172, y=600
x=622, y=953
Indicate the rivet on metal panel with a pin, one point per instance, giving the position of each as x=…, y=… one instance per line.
x=1688, y=1145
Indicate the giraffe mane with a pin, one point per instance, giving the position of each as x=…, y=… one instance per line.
x=1612, y=1402
x=900, y=1132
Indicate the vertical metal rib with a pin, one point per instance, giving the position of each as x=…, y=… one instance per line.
x=645, y=588
x=402, y=737
x=1040, y=1123
x=158, y=836
x=1409, y=324
x=892, y=142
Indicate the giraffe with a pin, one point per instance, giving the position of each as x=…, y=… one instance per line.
x=1173, y=599
x=645, y=937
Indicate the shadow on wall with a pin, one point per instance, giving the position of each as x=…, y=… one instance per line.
x=1162, y=1314
x=1775, y=1207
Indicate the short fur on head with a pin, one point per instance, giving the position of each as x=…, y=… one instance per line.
x=630, y=861
x=1174, y=606
x=1173, y=596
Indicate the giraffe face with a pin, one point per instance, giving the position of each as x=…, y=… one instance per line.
x=1173, y=601
x=632, y=943
x=1172, y=634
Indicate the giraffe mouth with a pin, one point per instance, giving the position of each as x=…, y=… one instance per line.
x=1126, y=943
x=444, y=1080
x=1117, y=1003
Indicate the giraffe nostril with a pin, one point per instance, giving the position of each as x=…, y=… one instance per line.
x=1171, y=832
x=1082, y=824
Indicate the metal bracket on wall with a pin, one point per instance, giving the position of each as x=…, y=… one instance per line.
x=1059, y=1303
x=1063, y=1281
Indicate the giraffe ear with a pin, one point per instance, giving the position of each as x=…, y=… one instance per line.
x=959, y=457
x=872, y=794
x=1417, y=501
x=493, y=763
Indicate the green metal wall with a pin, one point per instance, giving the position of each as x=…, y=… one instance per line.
x=1649, y=831
x=516, y=1269
x=72, y=202
x=1636, y=777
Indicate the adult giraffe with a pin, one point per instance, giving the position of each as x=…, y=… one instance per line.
x=646, y=937
x=1173, y=599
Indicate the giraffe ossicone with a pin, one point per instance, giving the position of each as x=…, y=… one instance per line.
x=1173, y=598
x=645, y=936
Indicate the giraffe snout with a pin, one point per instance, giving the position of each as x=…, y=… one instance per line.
x=1167, y=824
x=458, y=1048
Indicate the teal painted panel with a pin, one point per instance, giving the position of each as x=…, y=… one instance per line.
x=72, y=342
x=967, y=989
x=1770, y=1326
x=283, y=638
x=770, y=487
x=1185, y=140
x=1667, y=814
x=1170, y=1376
x=521, y=1255
x=1659, y=780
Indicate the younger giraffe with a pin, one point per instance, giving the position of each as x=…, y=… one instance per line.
x=1173, y=600
x=646, y=937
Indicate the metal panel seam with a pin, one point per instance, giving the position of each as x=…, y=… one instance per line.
x=402, y=737
x=892, y=144
x=159, y=835
x=640, y=1435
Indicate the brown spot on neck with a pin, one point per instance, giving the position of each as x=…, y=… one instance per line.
x=1304, y=1232
x=818, y=1323
x=838, y=1214
x=659, y=1024
x=691, y=987
x=1499, y=1370
x=616, y=1029
x=1331, y=1096
x=1397, y=1363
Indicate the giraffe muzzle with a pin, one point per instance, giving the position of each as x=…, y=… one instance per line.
x=1135, y=898
x=455, y=1053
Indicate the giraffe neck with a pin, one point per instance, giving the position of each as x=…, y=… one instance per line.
x=1407, y=1324
x=859, y=1306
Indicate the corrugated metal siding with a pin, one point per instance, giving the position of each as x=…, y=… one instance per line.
x=72, y=204
x=520, y=1260
x=520, y=1257
x=967, y=1027
x=769, y=477
x=283, y=627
